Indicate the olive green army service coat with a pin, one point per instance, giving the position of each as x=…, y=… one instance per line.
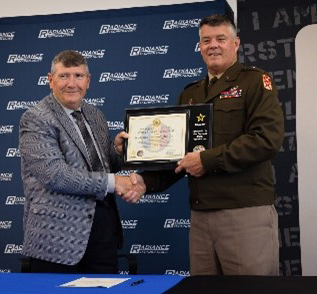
x=247, y=132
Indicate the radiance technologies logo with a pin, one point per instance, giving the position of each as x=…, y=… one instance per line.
x=172, y=223
x=149, y=50
x=98, y=53
x=17, y=58
x=181, y=24
x=15, y=200
x=154, y=198
x=43, y=81
x=173, y=73
x=6, y=129
x=17, y=105
x=129, y=223
x=13, y=152
x=117, y=28
x=179, y=273
x=149, y=249
x=95, y=101
x=115, y=125
x=149, y=99
x=6, y=177
x=197, y=48
x=118, y=76
x=6, y=82
x=13, y=249
x=7, y=36
x=5, y=225
x=56, y=33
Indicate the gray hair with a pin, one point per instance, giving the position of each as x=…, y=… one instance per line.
x=216, y=20
x=69, y=58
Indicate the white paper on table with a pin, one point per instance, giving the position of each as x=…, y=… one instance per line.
x=95, y=282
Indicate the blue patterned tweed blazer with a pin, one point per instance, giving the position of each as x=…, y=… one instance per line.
x=59, y=187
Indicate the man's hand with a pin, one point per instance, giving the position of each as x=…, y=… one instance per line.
x=137, y=190
x=122, y=184
x=131, y=189
x=192, y=164
x=118, y=141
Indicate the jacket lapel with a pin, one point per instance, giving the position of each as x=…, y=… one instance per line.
x=93, y=120
x=199, y=92
x=67, y=124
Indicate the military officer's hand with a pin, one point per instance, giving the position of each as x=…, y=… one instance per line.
x=192, y=164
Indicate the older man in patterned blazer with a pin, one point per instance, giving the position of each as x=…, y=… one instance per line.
x=71, y=221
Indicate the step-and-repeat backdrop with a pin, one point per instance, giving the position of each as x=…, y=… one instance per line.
x=138, y=57
x=143, y=57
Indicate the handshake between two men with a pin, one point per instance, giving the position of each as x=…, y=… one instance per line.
x=132, y=188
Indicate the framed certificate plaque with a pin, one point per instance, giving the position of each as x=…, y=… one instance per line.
x=160, y=137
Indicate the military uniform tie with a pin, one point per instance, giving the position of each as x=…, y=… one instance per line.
x=211, y=83
x=90, y=146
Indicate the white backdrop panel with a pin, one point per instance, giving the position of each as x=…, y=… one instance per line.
x=306, y=105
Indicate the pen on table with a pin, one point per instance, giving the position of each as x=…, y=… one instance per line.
x=137, y=282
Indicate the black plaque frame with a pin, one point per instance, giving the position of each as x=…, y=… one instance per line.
x=193, y=127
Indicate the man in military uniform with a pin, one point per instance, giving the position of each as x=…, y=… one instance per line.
x=234, y=225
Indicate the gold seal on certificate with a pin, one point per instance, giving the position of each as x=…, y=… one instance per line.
x=160, y=137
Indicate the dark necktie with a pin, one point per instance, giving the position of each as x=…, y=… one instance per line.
x=212, y=81
x=90, y=146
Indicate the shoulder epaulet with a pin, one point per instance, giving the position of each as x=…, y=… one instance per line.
x=249, y=68
x=193, y=83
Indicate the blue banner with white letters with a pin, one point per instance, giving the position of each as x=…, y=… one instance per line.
x=143, y=57
x=137, y=57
